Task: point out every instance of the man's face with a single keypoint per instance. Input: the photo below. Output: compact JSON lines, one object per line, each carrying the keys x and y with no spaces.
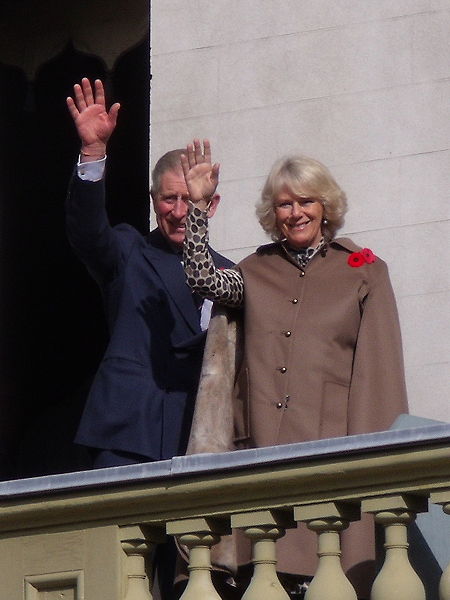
{"x":171,"y":207}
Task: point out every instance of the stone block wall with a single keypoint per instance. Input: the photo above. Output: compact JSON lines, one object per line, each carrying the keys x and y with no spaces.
{"x":362,"y":86}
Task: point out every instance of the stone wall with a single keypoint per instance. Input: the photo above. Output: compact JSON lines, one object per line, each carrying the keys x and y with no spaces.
{"x":363,"y":86}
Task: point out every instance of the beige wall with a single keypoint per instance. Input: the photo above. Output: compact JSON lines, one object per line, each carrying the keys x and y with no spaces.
{"x":363,"y":86}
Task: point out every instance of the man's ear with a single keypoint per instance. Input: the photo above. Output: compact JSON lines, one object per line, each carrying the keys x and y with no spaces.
{"x":153,"y":199}
{"x":213,"y":206}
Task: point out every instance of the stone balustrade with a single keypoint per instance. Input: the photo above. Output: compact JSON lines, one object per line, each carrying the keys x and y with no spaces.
{"x":91,"y":535}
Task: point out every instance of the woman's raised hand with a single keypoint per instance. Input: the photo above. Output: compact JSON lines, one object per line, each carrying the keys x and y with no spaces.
{"x":93,"y":122}
{"x":200,"y":174}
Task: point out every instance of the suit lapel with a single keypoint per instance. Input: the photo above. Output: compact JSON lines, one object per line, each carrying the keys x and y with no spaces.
{"x":170,"y":271}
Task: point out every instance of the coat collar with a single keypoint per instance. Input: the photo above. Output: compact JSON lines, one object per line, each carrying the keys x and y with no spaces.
{"x":345,"y":243}
{"x":167,"y":264}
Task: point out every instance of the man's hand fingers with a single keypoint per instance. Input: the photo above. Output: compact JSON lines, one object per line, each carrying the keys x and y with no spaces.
{"x":99,"y":92}
{"x":113,"y":112}
{"x":87,"y":91}
{"x":79,"y":97}
{"x":73,"y":110}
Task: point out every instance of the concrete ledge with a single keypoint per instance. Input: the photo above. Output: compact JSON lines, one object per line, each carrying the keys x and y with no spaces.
{"x":185,"y":466}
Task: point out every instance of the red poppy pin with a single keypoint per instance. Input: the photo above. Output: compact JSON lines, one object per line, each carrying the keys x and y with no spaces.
{"x":369,"y":256}
{"x":358,"y":259}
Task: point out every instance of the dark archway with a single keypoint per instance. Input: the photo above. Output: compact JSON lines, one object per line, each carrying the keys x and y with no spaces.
{"x":52,"y":326}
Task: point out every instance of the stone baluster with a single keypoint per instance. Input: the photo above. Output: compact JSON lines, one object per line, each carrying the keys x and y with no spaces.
{"x":443,"y":498}
{"x":396,"y":579}
{"x":264,"y":528}
{"x":198,"y":535}
{"x":327,"y":519}
{"x":138,"y":543}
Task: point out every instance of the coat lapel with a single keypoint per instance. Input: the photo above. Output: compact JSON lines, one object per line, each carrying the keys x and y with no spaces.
{"x":168,"y":266}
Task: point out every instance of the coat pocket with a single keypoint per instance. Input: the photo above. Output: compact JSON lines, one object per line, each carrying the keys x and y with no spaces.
{"x":241,"y":409}
{"x":334,"y":406}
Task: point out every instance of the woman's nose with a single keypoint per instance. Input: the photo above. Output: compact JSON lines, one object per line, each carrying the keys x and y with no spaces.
{"x":296,"y":209}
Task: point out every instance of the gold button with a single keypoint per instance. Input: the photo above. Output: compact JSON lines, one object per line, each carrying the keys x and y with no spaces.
{"x":279,"y":405}
{"x":294,"y":300}
{"x":288,"y":333}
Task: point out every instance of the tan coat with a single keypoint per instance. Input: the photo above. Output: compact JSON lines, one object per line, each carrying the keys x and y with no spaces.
{"x":323,"y":358}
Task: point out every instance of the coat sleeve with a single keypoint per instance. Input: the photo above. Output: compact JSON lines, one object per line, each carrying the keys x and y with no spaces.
{"x":377,"y":390}
{"x":89,"y":233}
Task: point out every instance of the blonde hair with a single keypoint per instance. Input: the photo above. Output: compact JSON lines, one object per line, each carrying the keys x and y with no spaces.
{"x":303,"y":176}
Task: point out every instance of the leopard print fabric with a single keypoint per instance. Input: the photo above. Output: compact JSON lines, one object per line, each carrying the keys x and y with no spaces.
{"x":225,"y":286}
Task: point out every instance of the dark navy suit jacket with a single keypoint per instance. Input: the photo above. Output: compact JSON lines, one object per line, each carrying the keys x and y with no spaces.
{"x":143,"y":394}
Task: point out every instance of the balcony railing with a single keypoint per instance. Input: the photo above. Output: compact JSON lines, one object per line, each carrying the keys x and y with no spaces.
{"x":89,"y":535}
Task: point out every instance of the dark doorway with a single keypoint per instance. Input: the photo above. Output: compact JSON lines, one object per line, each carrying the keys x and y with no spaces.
{"x":52,"y":326}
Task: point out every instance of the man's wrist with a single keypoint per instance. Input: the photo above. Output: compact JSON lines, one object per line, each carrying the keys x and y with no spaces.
{"x":92,"y":152}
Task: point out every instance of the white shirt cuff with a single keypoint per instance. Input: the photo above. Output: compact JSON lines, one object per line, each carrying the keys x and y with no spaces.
{"x":91,"y":171}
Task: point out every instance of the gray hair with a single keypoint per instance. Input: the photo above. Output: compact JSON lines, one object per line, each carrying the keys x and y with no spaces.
{"x":170,"y":161}
{"x":302,"y":175}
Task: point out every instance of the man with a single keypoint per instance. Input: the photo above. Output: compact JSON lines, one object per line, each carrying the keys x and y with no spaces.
{"x":141,"y":402}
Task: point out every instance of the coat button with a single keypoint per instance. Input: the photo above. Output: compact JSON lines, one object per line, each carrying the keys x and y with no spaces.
{"x":283,"y":369}
{"x":294,"y":300}
{"x":287,"y":333}
{"x":302,"y":274}
{"x":279,"y":405}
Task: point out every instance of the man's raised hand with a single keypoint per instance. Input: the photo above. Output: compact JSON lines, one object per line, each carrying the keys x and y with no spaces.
{"x":93,"y":122}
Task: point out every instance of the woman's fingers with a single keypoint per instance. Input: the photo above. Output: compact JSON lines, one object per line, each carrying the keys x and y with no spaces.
{"x":197,"y":154}
{"x":198,"y":151}
{"x":207,"y":151}
{"x":185,"y":164}
{"x":190,"y":155}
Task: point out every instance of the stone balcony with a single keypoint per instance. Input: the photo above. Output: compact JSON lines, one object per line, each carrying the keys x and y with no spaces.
{"x":89,"y":535}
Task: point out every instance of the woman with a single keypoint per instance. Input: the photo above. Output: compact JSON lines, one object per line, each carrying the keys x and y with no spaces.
{"x":322,"y":338}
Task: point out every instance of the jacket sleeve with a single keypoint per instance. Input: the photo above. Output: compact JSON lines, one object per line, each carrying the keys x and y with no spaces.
{"x":377,"y":390}
{"x":223,"y":286}
{"x":89,"y":233}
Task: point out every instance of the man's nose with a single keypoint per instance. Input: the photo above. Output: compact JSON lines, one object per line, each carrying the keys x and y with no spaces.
{"x":179,"y":208}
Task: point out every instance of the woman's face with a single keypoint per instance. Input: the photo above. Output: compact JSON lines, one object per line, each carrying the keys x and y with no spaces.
{"x":299,"y":219}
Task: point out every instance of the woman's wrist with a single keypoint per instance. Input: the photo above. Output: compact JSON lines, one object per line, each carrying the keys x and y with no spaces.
{"x":203,"y":204}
